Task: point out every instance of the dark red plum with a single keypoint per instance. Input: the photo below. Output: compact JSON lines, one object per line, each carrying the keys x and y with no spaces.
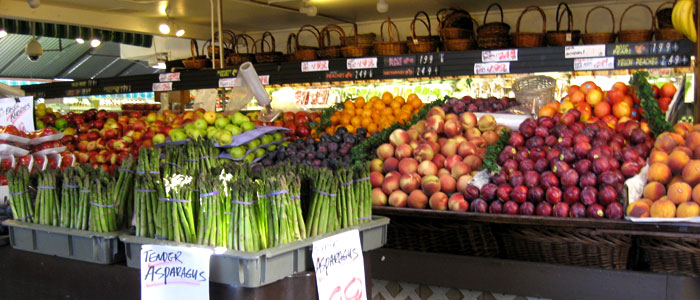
{"x":496,"y":207}
{"x":589,"y":195}
{"x":527,"y":128}
{"x":516,"y":178}
{"x":550,"y":140}
{"x":608,"y":178}
{"x":597,"y":143}
{"x":565,"y":142}
{"x":535,"y":194}
{"x":511,"y":208}
{"x":532,"y":178}
{"x":561,"y":210}
{"x":519,"y":194}
{"x":548,"y":180}
{"x":577,"y":210}
{"x":522,"y":154}
{"x":544,"y":209}
{"x":581,"y":149}
{"x":541,"y":165}
{"x":581,"y":138}
{"x":479,"y":205}
{"x":630,"y":168}
{"x":488,"y":191}
{"x":553,"y":195}
{"x":534,"y":142}
{"x":588,"y":179}
{"x":569,"y":178}
{"x":614,"y":163}
{"x":472,"y":192}
{"x":553,"y":154}
{"x":572,"y":194}
{"x":527,"y":209}
{"x":567,"y":155}
{"x":606,"y":195}
{"x":629,"y":154}
{"x":595,"y":153}
{"x":560,"y":167}
{"x":600,"y":165}
{"x":500,"y":177}
{"x":516,"y":139}
{"x":583,"y":166}
{"x":638,"y":136}
{"x":537,"y":153}
{"x":510,"y":166}
{"x":546,"y":122}
{"x":541,"y":131}
{"x":503,"y":192}
{"x":614,"y":211}
{"x":526,"y":165}
{"x":595,"y":211}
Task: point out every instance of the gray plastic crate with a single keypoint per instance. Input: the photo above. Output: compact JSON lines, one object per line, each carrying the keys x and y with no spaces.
{"x":94,"y":247}
{"x":255,"y":269}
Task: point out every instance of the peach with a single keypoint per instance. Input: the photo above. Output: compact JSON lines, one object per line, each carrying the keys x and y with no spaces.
{"x":378,"y":197}
{"x":448,"y":184}
{"x":490,"y":137}
{"x":420,"y":126}
{"x":473,"y":161}
{"x":683,"y":128}
{"x":459,"y":169}
{"x":391,"y":164}
{"x":438,"y":201}
{"x":414,"y":144}
{"x":409,"y":182}
{"x":417,"y":199}
{"x":430,"y":184}
{"x":424,"y":152}
{"x":376,"y":165}
{"x":696,"y":153}
{"x":452,"y":128}
{"x":463,"y":183}
{"x":426,"y":168}
{"x":479,"y":142}
{"x":390,"y":184}
{"x":436,"y":111}
{"x":691,"y":172}
{"x":459,"y":139}
{"x":456,"y":202}
{"x":685,"y":149}
{"x":451,"y":116}
{"x":468,"y":119}
{"x":430,"y":135}
{"x":451,"y":160}
{"x":433,"y":145}
{"x":696,"y":127}
{"x":466,"y":148}
{"x":398,"y":199}
{"x":654,"y":190}
{"x":472,"y":132}
{"x":486,"y":122}
{"x":376,"y":178}
{"x":677,"y":160}
{"x":441,"y":141}
{"x":408,"y":165}
{"x":638,"y":209}
{"x":658,"y":156}
{"x":665,"y":142}
{"x":695,"y":194}
{"x":439,"y":160}
{"x":385,"y":151}
{"x":663,"y":209}
{"x":692,"y":140}
{"x":501,"y":128}
{"x":436,"y":123}
{"x":688,"y":210}
{"x":392,"y":173}
{"x":449,"y":148}
{"x":660,"y":172}
{"x":413,"y":133}
{"x":680,"y":141}
{"x":675,"y":178}
{"x":647,"y":201}
{"x":403,"y":151}
{"x":679,"y":192}
{"x":399,"y":137}
{"x":443,"y":171}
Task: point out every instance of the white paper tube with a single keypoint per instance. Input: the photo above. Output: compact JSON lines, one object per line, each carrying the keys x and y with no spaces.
{"x":248,"y":73}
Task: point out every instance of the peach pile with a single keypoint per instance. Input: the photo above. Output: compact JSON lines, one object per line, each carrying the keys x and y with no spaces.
{"x":672,"y":190}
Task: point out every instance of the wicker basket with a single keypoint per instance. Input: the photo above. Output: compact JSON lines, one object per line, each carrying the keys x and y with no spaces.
{"x":455,"y":24}
{"x":425,"y":43}
{"x":679,"y":255}
{"x":355,"y":46}
{"x":530,"y":39}
{"x":533,"y":92}
{"x":641,"y":35}
{"x":599,"y":37}
{"x":578,"y":247}
{"x":291,"y":40}
{"x":326,"y":50}
{"x":271,"y":56}
{"x":365,"y":39}
{"x":663,"y":16}
{"x":493,"y":35}
{"x":236,"y":58}
{"x":228,"y":38}
{"x":669,"y":34}
{"x":196,"y":62}
{"x":306,"y":52}
{"x":390,"y":47}
{"x":560,"y":37}
{"x":441,"y":236}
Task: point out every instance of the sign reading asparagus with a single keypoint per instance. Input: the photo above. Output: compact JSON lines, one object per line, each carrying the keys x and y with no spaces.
{"x":18,"y":112}
{"x":340,"y":269}
{"x":169,"y":272}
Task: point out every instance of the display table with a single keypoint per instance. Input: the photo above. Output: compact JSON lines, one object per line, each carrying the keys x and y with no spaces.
{"x":26,"y":275}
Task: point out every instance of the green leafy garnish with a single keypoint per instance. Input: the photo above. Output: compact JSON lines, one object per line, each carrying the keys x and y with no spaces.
{"x":652,"y":112}
{"x":493,"y":150}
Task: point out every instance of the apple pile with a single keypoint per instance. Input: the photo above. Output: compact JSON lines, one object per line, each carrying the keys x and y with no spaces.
{"x":297,"y":123}
{"x":432,"y":163}
{"x":255,"y":148}
{"x":467,"y":103}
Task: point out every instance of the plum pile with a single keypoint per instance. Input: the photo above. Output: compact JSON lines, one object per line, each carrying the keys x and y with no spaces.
{"x":330,"y":151}
{"x":467,"y":103}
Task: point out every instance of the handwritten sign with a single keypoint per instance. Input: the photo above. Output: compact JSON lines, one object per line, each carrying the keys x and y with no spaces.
{"x":499,"y":55}
{"x":340,"y":269}
{"x":314,"y":66}
{"x":162,"y":86}
{"x":174,"y":272}
{"x":599,"y":63}
{"x":399,"y":61}
{"x":361,"y":63}
{"x":584,"y":51}
{"x":231,"y":82}
{"x":167,"y":77}
{"x":491,"y":68}
{"x":18,"y":113}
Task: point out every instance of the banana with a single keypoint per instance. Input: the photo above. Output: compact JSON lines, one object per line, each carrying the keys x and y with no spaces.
{"x":690,"y":23}
{"x":681,"y":8}
{"x":674,"y":17}
{"x":686,"y":20}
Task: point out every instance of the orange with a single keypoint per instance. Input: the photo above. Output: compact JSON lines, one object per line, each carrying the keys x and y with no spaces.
{"x":396,"y":111}
{"x":330,"y":130}
{"x":621,"y":109}
{"x":365,"y":122}
{"x":415,"y":101}
{"x":399,"y":99}
{"x":379,"y":105}
{"x":350,"y":128}
{"x":350,"y":112}
{"x":594,"y":97}
{"x":360,"y":102}
{"x":333,"y":119}
{"x":395,"y":105}
{"x":359,"y":111}
{"x":366,"y":113}
{"x":374,"y":99}
{"x":349,"y":104}
{"x":387,"y":111}
{"x":372,"y":128}
{"x":405,"y":116}
{"x":577,"y":97}
{"x":355,"y":121}
{"x":345,"y":119}
{"x":554,"y":105}
{"x":547,"y":111}
{"x":588,"y":86}
{"x":585,"y":111}
{"x":387,"y":98}
{"x":601,"y":109}
{"x":565,"y":106}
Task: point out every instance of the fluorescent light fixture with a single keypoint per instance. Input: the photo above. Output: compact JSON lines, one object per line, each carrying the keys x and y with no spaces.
{"x":3,"y":33}
{"x":382,"y":6}
{"x":95,"y":43}
{"x":80,"y":40}
{"x":160,"y":65}
{"x":180,"y":32}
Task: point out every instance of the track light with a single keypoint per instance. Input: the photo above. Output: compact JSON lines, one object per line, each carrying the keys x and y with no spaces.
{"x":308,"y":10}
{"x":80,"y":40}
{"x":382,"y":6}
{"x":180,"y":32}
{"x":164,"y":28}
{"x":95,"y":43}
{"x":3,"y":33}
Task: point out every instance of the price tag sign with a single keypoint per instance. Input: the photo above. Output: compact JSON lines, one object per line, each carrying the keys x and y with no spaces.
{"x":314,"y":66}
{"x":491,"y":68}
{"x":584,"y":51}
{"x":232,"y":81}
{"x":499,"y":55}
{"x":162,"y":86}
{"x":361,"y":63}
{"x":340,"y":269}
{"x":599,"y":63}
{"x":167,"y":77}
{"x":19,"y":113}
{"x":169,"y":272}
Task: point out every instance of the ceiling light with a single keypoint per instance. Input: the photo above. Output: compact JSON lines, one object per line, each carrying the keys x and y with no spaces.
{"x":95,"y":43}
{"x":33,"y":3}
{"x":308,"y":10}
{"x":382,"y":6}
{"x":160,"y":65}
{"x":180,"y":32}
{"x":3,"y":33}
{"x":80,"y":40}
{"x":164,"y":28}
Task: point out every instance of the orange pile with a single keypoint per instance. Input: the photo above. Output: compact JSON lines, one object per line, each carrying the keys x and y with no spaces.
{"x":375,"y":114}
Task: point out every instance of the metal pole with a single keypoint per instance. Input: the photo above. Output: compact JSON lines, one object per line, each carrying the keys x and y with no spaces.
{"x":221,"y":37}
{"x":696,"y":72}
{"x":213,"y":62}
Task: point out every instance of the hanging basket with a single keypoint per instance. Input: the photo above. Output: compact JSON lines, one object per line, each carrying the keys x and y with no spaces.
{"x":303,"y":53}
{"x":227,"y":39}
{"x":270,"y":56}
{"x":640,"y":35}
{"x":455,"y":24}
{"x":666,"y":32}
{"x":236,"y":58}
{"x":291,"y":40}
{"x":462,"y":44}
{"x":390,"y":47}
{"x":196,"y":62}
{"x":599,"y":37}
{"x":326,"y":50}
{"x":493,"y":35}
{"x":530,"y":39}
{"x":356,"y":47}
{"x":564,"y":38}
{"x":425,"y":43}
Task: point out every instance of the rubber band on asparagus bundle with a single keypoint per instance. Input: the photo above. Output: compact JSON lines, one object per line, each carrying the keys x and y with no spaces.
{"x":325,"y":193}
{"x":145,"y":191}
{"x":214,"y":193}
{"x":43,"y":187}
{"x":101,"y":205}
{"x":126,"y":170}
{"x":242,"y":203}
{"x":273,"y":194}
{"x":25,"y":217}
{"x":69,"y":186}
{"x":18,"y":193}
{"x":361,"y":179}
{"x":174,"y":200}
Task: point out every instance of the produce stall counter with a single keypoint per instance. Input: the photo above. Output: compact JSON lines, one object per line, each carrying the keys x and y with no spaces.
{"x":27,"y":275}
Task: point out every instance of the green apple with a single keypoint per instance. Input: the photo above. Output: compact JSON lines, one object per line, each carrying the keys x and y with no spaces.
{"x":253,"y":144}
{"x":211,"y":128}
{"x":260,"y":152}
{"x":39,"y":124}
{"x":221,"y":122}
{"x":266,"y":139}
{"x":174,"y":131}
{"x":200,"y":124}
{"x":189,"y":126}
{"x":235,"y":130}
{"x":272,"y":148}
{"x":159,"y":138}
{"x":225,"y":138}
{"x":211,"y":134}
{"x":277,"y":136}
{"x":249,"y":158}
{"x":237,"y":152}
{"x":196,"y":134}
{"x":285,"y":143}
{"x":238,"y":118}
{"x":246,"y":126}
{"x":178,"y":135}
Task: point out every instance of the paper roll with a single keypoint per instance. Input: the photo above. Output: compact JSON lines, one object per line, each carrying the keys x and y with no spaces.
{"x":248,"y":73}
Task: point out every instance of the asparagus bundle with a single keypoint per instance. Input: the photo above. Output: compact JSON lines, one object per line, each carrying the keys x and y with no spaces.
{"x":363,"y":193}
{"x":178,"y":203}
{"x":103,"y":212}
{"x":81,"y":208}
{"x":122,"y":199}
{"x":145,"y":205}
{"x":20,"y":199}
{"x":322,"y":217}
{"x":212,"y":229}
{"x":347,"y":202}
{"x":245,"y":234}
{"x":47,"y":203}
{"x":70,"y":194}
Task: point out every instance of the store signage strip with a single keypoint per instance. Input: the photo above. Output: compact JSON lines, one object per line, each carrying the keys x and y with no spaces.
{"x":499,"y":55}
{"x":314,"y":66}
{"x":168,"y":77}
{"x":491,"y":68}
{"x":598,"y":63}
{"x":361,"y":63}
{"x":584,"y":51}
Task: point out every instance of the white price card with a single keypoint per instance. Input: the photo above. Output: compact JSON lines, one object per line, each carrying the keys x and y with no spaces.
{"x":232,"y":81}
{"x":340,"y":268}
{"x":167,"y":77}
{"x":169,"y":272}
{"x":361,"y":63}
{"x":491,"y":68}
{"x":499,"y":55}
{"x":18,"y":112}
{"x":584,"y":51}
{"x":314,"y":66}
{"x":162,"y":86}
{"x":598,"y":63}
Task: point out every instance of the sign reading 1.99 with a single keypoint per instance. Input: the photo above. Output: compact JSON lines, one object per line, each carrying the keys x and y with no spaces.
{"x":174,"y":272}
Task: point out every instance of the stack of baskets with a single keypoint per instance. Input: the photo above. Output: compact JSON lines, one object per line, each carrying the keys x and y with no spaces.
{"x":638,"y":35}
{"x":666,"y":31}
{"x":270,"y":56}
{"x":301,"y":52}
{"x":493,"y":35}
{"x":358,"y":45}
{"x":599,"y":37}
{"x":236,"y":58}
{"x":422,"y":44}
{"x":197,"y":61}
{"x":394,"y":46}
{"x":561,"y":37}
{"x":326,"y":50}
{"x":530,"y":39}
{"x":456,"y":29}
